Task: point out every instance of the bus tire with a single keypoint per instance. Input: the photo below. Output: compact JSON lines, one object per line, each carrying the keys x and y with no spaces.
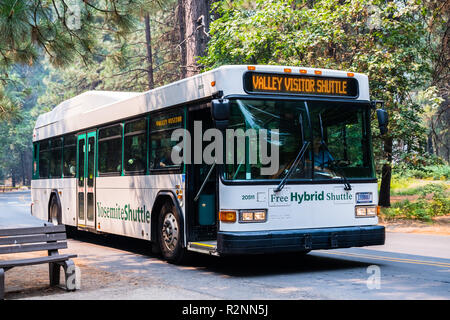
{"x":54,"y":210}
{"x":170,"y":235}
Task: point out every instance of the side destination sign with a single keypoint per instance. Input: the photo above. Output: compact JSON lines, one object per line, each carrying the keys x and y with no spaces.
{"x":255,"y":82}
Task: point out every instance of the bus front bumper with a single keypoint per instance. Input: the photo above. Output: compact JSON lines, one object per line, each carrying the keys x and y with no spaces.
{"x":298,"y":240}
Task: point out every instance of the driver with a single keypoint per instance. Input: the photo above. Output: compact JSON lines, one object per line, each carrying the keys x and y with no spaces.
{"x":322,"y":158}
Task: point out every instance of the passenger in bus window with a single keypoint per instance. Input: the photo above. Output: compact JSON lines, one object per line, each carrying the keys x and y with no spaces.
{"x":165,"y":159}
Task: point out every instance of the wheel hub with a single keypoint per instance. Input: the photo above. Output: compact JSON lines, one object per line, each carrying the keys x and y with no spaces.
{"x":54,"y":214}
{"x":170,"y":231}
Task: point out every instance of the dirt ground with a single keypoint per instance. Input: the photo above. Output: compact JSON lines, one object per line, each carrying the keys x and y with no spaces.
{"x":33,"y":281}
{"x":440,"y":226}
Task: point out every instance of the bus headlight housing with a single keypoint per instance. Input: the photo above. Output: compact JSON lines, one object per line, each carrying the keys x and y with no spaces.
{"x":365,"y":211}
{"x":258,"y":215}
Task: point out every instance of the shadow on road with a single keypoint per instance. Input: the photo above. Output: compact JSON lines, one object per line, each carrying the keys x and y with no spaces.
{"x":235,"y":266}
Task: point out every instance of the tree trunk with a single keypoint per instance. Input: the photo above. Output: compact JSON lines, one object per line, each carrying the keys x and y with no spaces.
{"x":148,"y":40}
{"x":430,"y":143}
{"x":386,"y":173}
{"x":23,"y":173}
{"x":13,"y":178}
{"x":182,"y":33}
{"x":196,"y":18}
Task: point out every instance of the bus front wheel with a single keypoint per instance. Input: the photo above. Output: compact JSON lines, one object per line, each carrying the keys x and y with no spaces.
{"x":170,"y":234}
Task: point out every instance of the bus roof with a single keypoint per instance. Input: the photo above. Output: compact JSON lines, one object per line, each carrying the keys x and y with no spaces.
{"x":94,"y":108}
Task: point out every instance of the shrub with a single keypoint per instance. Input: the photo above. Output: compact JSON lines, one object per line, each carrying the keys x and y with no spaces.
{"x":422,"y":209}
{"x":435,"y":172}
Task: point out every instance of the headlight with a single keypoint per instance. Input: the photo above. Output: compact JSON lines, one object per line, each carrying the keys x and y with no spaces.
{"x":371,"y":211}
{"x":259,"y":215}
{"x":247,"y":216}
{"x":365,"y":211}
{"x":361,"y":211}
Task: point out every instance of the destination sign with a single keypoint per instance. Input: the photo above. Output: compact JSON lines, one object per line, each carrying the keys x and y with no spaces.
{"x":168,"y":121}
{"x":300,"y":84}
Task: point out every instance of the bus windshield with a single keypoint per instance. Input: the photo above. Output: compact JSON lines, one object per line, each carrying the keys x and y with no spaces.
{"x":338,"y":134}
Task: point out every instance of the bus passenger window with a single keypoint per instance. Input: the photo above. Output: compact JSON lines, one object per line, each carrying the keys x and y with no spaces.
{"x":44,"y":159}
{"x":35,"y":159}
{"x":161,"y":145}
{"x":110,"y":150}
{"x":69,"y":156}
{"x":55,"y":158}
{"x":135,"y":146}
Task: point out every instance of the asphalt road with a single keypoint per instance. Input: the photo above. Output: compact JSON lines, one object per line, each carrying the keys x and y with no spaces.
{"x":409,"y":266}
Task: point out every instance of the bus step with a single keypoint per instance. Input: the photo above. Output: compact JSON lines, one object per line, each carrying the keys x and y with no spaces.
{"x":88,"y":228}
{"x":208,"y":247}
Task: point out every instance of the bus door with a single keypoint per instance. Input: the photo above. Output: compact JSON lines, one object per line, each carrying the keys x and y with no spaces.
{"x":86,"y":156}
{"x":202,"y":186}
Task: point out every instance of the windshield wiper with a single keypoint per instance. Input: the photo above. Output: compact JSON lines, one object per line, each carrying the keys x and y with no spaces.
{"x":347,"y":186}
{"x":300,"y":155}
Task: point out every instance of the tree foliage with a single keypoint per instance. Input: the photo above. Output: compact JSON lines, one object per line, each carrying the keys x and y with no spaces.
{"x":63,"y":30}
{"x":385,"y":40}
{"x":52,"y":50}
{"x":47,"y":56}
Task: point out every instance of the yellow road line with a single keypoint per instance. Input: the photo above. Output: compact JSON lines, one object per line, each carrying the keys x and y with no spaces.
{"x":429,"y":263}
{"x":203,"y":244}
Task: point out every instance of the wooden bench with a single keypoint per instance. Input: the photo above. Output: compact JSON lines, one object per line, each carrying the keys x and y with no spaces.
{"x":50,"y":238}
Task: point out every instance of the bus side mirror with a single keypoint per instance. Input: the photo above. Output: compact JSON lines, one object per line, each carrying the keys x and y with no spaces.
{"x":383,"y":120}
{"x":220,"y":111}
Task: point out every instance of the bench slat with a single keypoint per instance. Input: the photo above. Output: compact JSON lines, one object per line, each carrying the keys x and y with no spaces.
{"x":32,"y":230}
{"x":33,"y":247}
{"x":33,"y":238}
{"x":31,"y":261}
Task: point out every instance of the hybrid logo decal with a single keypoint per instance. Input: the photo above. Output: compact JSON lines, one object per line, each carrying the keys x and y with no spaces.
{"x":127,"y":213}
{"x":277,"y":199}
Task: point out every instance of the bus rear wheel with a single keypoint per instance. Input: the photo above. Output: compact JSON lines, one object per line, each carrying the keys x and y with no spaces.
{"x":54,"y":215}
{"x":170,"y":234}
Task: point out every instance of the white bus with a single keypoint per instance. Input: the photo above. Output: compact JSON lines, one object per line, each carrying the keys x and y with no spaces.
{"x":101,"y":163}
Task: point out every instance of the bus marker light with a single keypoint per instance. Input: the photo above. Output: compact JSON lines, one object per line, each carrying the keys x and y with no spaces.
{"x":378,"y":210}
{"x":303,"y":71}
{"x":251,"y":68}
{"x":227,"y":216}
{"x":318,"y":72}
{"x":213,"y":83}
{"x":350,"y":74}
{"x":288,"y":70}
